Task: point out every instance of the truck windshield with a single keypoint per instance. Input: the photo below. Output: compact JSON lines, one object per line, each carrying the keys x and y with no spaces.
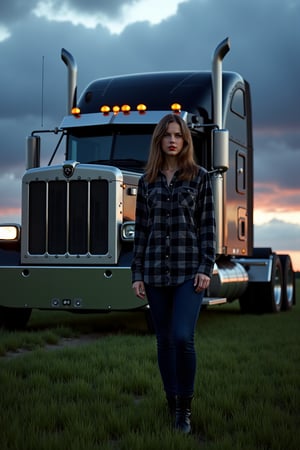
{"x":123,"y":149}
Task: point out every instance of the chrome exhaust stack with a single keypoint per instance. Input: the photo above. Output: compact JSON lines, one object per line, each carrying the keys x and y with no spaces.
{"x":72,"y":79}
{"x":219,"y":54}
{"x":220,"y":145}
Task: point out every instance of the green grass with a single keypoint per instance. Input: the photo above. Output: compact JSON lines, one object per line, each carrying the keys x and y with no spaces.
{"x":107,"y":394}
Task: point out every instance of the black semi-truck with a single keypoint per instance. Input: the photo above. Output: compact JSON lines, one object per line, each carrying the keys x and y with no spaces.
{"x":73,"y":248}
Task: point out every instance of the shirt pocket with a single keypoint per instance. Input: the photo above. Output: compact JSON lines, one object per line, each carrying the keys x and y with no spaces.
{"x":187,"y":198}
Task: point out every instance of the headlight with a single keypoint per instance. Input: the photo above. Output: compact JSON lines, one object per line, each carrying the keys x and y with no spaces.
{"x":9,"y":233}
{"x":127,"y":231}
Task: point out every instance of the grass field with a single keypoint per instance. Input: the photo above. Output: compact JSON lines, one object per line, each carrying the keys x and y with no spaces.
{"x":106,"y":392}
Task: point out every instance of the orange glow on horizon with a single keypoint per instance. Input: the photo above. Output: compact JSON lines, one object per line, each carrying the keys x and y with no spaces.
{"x":10,"y":215}
{"x":273,"y":198}
{"x":295,"y":255}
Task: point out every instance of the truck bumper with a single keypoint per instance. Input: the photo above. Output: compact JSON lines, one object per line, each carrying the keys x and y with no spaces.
{"x":68,"y":288}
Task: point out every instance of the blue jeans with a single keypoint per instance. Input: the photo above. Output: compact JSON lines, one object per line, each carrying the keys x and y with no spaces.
{"x":175,"y":311}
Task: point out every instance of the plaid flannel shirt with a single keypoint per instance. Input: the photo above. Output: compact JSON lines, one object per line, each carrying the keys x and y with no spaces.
{"x":174,"y":230}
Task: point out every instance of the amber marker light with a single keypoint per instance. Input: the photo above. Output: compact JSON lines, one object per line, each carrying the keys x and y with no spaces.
{"x":176,"y":107}
{"x":105,"y":110}
{"x":75,"y":111}
{"x":141,"y":108}
{"x":116,"y":109}
{"x":125,"y":109}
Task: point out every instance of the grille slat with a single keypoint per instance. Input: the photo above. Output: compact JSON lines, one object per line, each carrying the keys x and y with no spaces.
{"x":78,"y":218}
{"x":99,"y":214}
{"x":37,"y":218}
{"x":57,"y":217}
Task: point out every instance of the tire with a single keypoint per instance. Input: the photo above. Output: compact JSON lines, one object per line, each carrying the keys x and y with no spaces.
{"x":288,"y":285}
{"x":271,"y":292}
{"x":14,"y":318}
{"x":265,"y":297}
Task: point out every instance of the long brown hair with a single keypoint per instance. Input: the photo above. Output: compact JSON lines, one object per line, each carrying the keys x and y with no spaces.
{"x":186,"y":163}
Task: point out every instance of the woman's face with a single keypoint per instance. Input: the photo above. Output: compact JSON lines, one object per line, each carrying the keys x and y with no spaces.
{"x":172,"y":141}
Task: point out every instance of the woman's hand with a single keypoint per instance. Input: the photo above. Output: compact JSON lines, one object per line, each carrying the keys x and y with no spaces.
{"x":201,"y":282}
{"x":139,"y":289}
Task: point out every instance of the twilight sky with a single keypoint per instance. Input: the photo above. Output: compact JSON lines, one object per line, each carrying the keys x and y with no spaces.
{"x":126,"y":36}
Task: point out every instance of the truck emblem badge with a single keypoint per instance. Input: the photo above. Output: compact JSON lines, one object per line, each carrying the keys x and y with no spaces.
{"x":68,"y":170}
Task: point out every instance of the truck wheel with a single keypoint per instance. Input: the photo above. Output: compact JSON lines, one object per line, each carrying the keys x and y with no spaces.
{"x":264,"y":297}
{"x":288,"y":284}
{"x":14,"y":318}
{"x":272,"y":292}
{"x":250,"y":301}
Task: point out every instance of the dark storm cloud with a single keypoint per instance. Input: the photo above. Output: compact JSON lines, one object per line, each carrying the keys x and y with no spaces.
{"x":111,"y":8}
{"x":264,"y":45}
{"x":14,"y":10}
{"x":277,"y":159}
{"x":265,"y":38}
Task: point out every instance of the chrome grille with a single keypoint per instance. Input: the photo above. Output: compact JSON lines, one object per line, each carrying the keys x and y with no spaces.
{"x":68,"y":217}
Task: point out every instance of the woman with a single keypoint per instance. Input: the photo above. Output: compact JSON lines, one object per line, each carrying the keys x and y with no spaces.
{"x":174,"y":252}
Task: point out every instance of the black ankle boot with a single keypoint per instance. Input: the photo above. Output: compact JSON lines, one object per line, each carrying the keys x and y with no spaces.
{"x":171,"y":400}
{"x":183,"y":414}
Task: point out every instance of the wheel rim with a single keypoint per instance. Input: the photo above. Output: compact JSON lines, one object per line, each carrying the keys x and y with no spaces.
{"x":278,"y":287}
{"x":289,"y":285}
